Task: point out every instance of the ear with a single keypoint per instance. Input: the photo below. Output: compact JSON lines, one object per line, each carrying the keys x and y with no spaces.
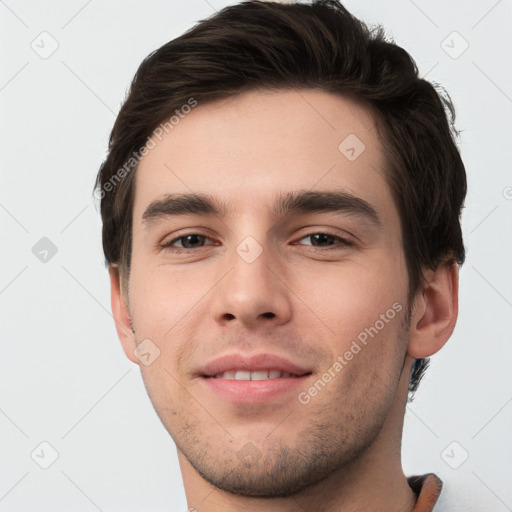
{"x":121,"y":315}
{"x":435,"y":311}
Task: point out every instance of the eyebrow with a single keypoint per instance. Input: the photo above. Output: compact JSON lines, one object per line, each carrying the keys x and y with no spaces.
{"x":286,"y":204}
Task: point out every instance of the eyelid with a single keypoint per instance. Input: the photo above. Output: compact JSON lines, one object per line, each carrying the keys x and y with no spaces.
{"x":342,"y":235}
{"x":339,"y":244}
{"x":172,"y":237}
{"x":169,"y":244}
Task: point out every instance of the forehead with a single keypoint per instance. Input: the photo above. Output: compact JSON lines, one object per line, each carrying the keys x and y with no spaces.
{"x":245,"y":149}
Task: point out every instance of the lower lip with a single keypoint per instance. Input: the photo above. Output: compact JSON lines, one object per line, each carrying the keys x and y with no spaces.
{"x":253,"y":391}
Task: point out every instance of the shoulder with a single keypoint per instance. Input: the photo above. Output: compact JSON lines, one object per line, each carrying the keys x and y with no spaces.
{"x":427,"y":489}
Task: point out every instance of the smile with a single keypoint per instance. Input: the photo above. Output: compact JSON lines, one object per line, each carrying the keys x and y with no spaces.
{"x":257,"y":375}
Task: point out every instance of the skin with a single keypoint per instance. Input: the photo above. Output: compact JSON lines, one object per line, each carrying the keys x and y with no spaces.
{"x":341,"y":451}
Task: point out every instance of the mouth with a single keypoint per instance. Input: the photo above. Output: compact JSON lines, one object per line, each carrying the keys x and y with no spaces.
{"x":261,"y":366}
{"x":254,"y":379}
{"x":255,"y":375}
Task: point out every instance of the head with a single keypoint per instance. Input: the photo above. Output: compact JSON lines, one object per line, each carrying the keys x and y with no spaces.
{"x":256,"y":115}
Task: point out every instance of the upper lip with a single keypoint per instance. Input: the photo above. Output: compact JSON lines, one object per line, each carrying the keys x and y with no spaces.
{"x":251,"y":363}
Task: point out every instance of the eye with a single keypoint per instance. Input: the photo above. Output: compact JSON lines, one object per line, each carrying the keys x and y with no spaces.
{"x":187,"y":242}
{"x":191,"y":241}
{"x":326,"y":240}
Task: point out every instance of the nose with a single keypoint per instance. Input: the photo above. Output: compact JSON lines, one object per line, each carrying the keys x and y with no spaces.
{"x":254,"y":292}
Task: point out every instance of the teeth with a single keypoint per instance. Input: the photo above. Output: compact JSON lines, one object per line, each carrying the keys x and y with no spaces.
{"x":261,"y":375}
{"x":257,"y":375}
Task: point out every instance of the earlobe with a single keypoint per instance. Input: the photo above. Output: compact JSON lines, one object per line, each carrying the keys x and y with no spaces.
{"x":121,"y":315}
{"x":435,"y":311}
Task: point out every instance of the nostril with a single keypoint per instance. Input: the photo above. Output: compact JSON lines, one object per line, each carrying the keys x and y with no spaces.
{"x":268,"y":315}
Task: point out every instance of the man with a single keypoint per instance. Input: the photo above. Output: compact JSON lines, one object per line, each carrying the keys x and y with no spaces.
{"x":281,"y":219}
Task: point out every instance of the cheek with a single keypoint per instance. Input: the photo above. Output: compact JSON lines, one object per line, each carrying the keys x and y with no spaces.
{"x":346,"y":299}
{"x":161,"y":297}
{"x":166,"y":304}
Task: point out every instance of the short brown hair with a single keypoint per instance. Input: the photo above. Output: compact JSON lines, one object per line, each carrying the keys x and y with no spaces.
{"x":268,"y":45}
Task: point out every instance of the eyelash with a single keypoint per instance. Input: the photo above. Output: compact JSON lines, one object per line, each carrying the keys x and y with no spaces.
{"x":177,"y":250}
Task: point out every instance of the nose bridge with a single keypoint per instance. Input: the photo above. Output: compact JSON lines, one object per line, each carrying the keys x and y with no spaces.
{"x":252,"y":263}
{"x":251,"y":291}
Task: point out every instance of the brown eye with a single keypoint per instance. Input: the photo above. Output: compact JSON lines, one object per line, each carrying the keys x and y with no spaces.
{"x":186,"y":242}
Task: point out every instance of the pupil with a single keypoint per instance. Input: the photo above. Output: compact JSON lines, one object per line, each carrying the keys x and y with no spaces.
{"x":323,"y":238}
{"x":185,"y":241}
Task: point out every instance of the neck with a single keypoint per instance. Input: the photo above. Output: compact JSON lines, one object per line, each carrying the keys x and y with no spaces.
{"x":374,"y":482}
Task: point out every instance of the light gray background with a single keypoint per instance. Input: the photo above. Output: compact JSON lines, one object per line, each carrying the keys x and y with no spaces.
{"x":65,"y":379}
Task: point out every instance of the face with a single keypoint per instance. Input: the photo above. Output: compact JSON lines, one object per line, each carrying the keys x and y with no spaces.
{"x":286,"y":267}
